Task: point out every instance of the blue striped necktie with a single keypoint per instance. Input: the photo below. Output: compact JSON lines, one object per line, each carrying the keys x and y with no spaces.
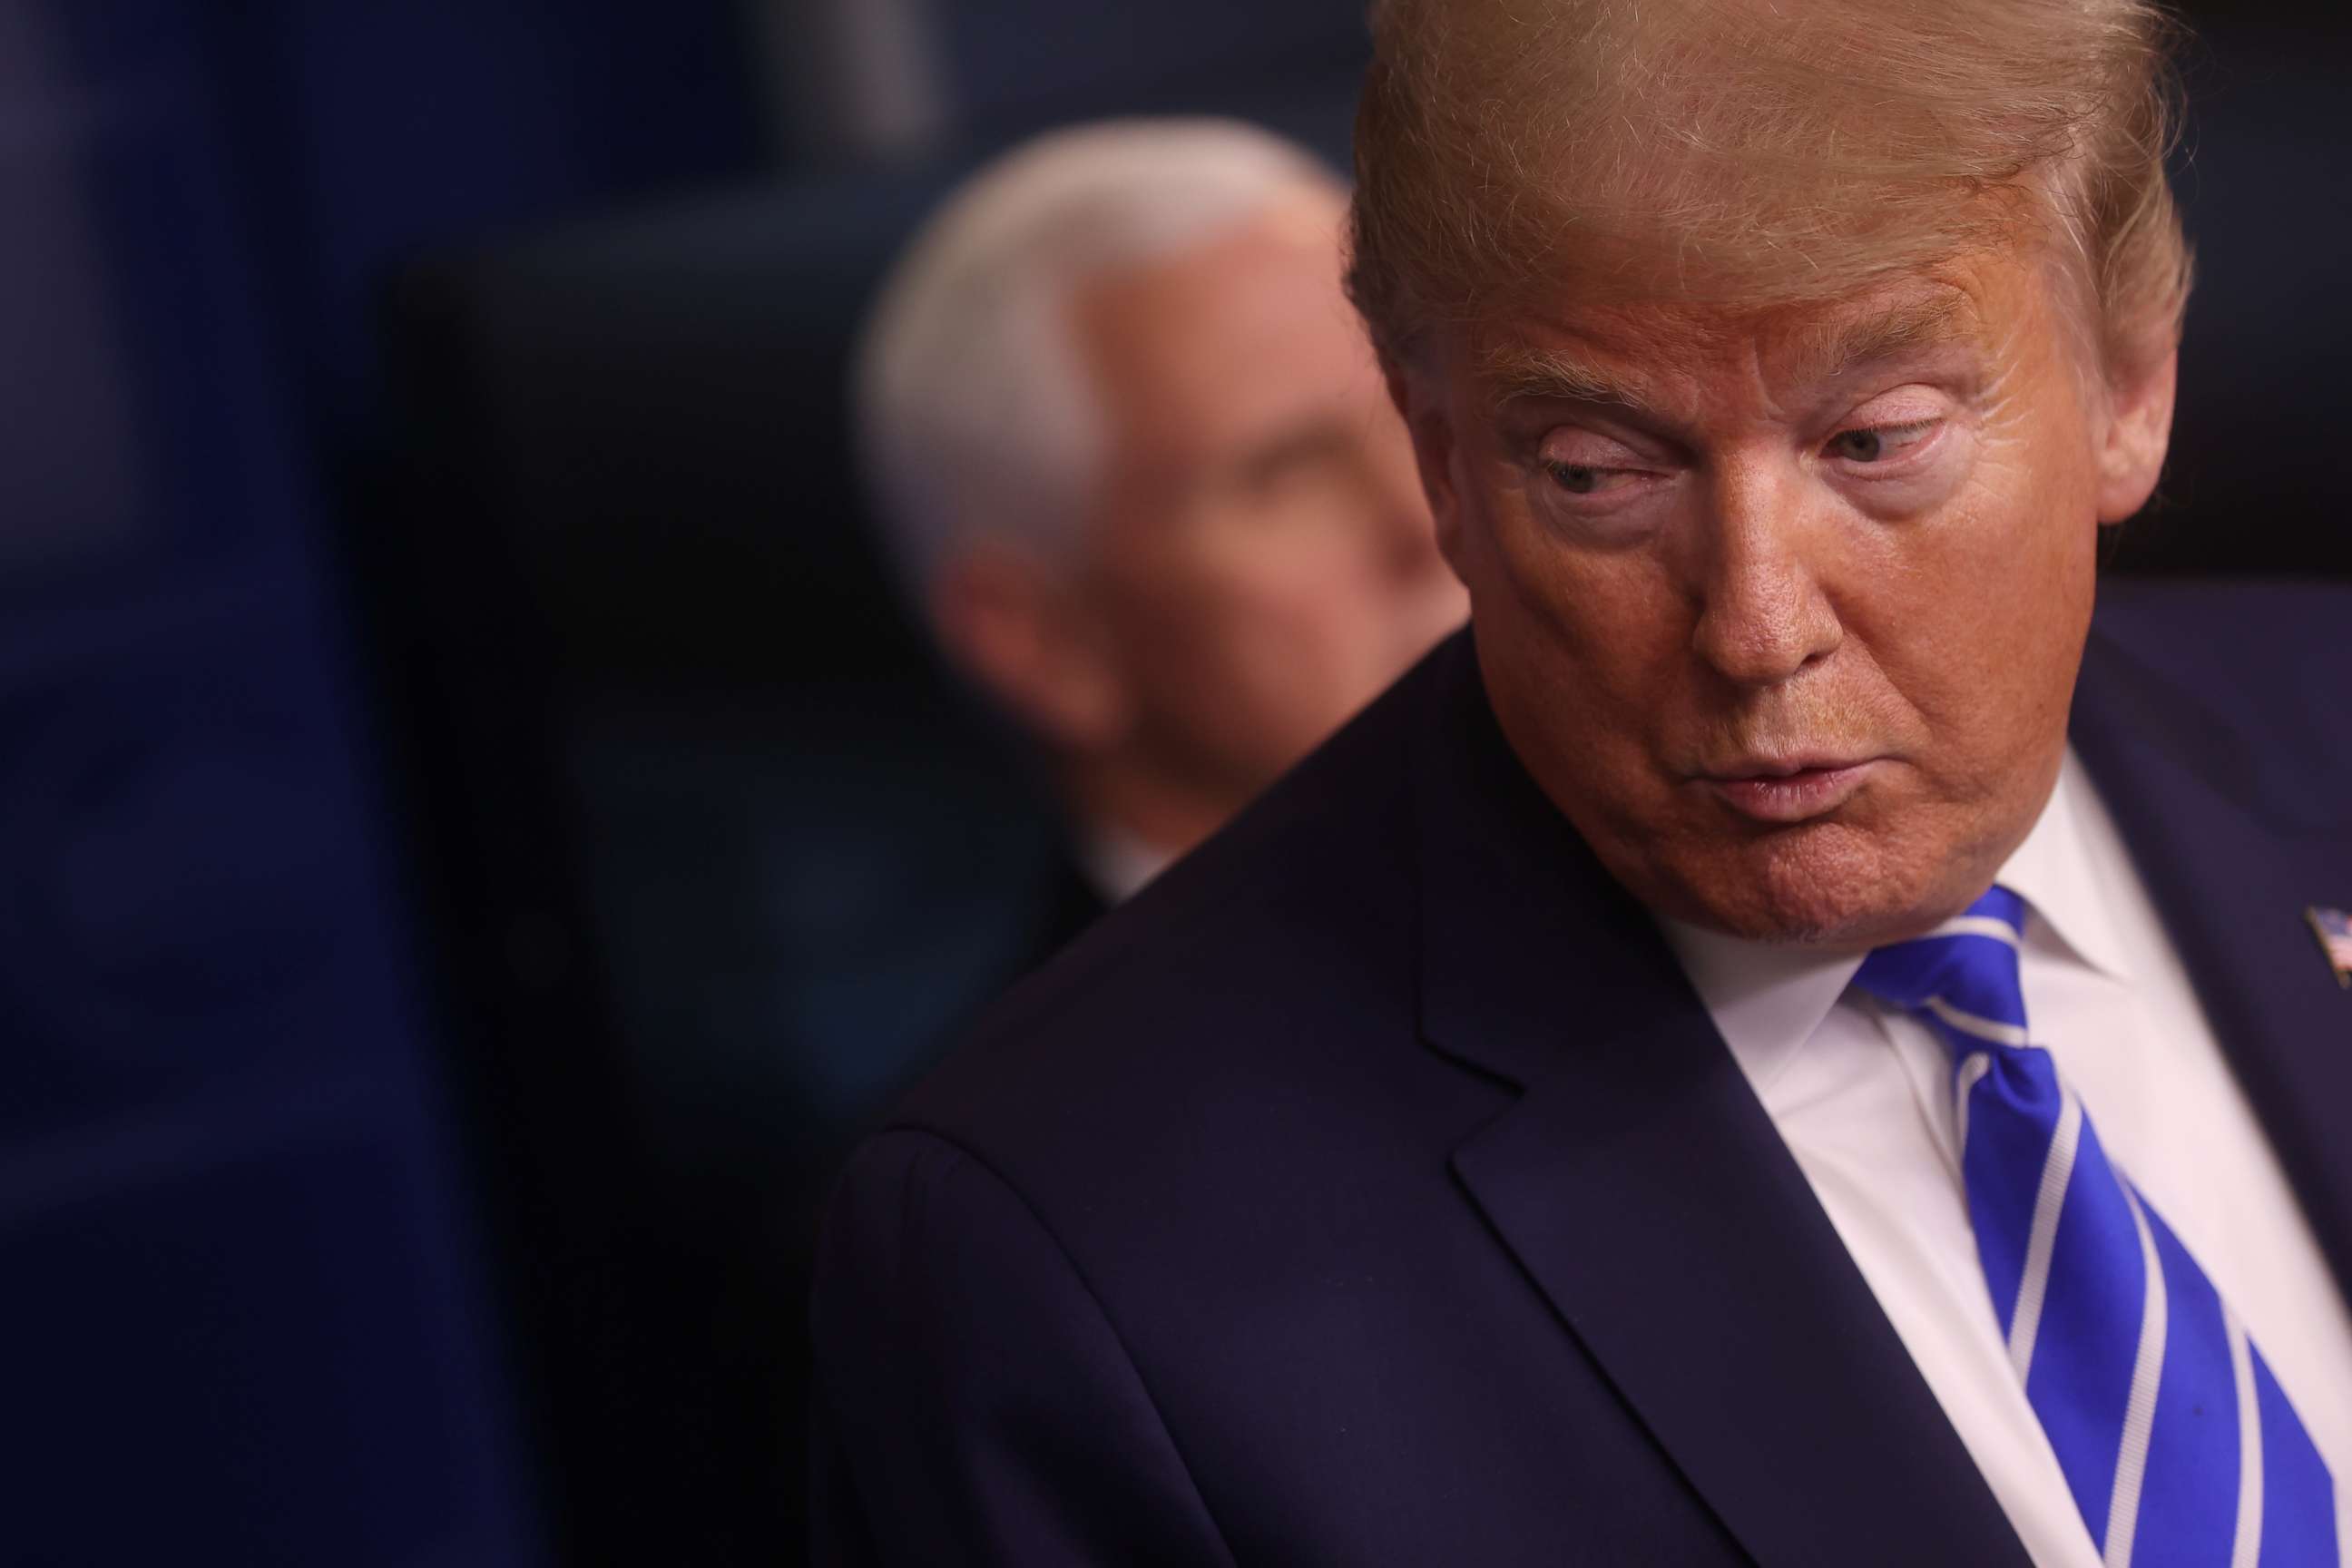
{"x":2175,"y":1440}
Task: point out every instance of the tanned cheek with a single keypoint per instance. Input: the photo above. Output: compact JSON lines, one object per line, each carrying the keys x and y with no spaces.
{"x":2050,"y":608}
{"x":1992,"y":683}
{"x":1514,"y":587}
{"x":1960,"y":594}
{"x":1575,"y":598}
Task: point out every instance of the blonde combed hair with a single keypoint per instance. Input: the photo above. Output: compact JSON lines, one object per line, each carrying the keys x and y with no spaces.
{"x":1760,"y":150}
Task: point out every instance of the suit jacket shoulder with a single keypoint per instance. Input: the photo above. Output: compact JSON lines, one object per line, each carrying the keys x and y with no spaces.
{"x":1216,"y":1178}
{"x":1258,"y":947}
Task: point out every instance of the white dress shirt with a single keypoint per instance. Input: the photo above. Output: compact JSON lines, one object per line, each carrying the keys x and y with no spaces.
{"x":1862,"y":1096}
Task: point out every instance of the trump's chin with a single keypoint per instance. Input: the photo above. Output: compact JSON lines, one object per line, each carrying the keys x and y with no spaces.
{"x":1833,"y":885}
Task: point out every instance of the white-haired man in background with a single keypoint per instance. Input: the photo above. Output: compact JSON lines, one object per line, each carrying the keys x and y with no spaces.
{"x":1135,"y":460}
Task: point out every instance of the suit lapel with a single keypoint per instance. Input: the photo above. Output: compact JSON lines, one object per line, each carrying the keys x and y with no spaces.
{"x":2232,"y":856}
{"x":1646,"y":1192}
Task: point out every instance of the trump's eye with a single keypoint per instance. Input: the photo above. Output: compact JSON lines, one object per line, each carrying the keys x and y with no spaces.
{"x":1589,"y":466}
{"x":1880,"y":442}
{"x":1586,"y":479}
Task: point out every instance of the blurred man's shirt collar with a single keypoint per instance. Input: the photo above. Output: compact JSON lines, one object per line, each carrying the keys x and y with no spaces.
{"x":1115,"y":863}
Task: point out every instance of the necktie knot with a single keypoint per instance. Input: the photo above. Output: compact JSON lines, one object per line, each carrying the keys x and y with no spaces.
{"x":1961,"y":977}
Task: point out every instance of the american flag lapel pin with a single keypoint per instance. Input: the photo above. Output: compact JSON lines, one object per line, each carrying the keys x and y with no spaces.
{"x":2334,"y":929}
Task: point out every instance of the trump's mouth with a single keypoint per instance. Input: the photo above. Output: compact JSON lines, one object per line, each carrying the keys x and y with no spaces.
{"x":1790,"y":791}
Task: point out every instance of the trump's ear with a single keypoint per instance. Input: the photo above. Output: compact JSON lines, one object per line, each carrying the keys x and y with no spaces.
{"x":2138,"y":432}
{"x":1419,"y":394}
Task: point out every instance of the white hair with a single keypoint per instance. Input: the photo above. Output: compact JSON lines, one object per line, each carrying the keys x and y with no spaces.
{"x":975,"y":418}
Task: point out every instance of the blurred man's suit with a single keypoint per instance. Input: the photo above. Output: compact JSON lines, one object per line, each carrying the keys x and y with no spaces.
{"x":1376,"y":1190}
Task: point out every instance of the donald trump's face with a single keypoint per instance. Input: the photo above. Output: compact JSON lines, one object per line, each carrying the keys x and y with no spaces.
{"x":1783,"y":608}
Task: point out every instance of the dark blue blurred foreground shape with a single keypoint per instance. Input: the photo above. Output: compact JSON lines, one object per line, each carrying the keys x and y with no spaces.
{"x":248,"y":1315}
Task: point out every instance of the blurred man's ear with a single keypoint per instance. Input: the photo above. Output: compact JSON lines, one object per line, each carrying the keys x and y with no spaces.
{"x":1419,"y":394}
{"x":2138,"y":432}
{"x":1026,"y":635}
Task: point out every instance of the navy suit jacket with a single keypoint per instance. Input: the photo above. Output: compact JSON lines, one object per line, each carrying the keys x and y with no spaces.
{"x":1375,"y":1190}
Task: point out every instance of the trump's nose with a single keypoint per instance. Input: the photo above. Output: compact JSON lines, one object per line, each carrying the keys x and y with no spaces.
{"x":1763,"y":615}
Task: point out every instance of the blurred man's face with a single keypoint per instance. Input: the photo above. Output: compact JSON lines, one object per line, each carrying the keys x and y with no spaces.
{"x":1784,"y":611}
{"x":1260,"y":559}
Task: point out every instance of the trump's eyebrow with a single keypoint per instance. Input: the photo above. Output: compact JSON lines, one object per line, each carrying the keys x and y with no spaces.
{"x":1837,"y":348}
{"x":1523,"y":373}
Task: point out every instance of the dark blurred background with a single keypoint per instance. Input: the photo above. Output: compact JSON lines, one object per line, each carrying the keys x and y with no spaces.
{"x":476,"y":827}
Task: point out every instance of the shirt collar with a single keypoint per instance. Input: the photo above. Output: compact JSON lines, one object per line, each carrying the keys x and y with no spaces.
{"x":2055,"y":872}
{"x":1767,"y":998}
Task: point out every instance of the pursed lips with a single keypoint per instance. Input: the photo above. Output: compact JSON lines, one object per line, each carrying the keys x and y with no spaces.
{"x":1790,"y":786}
